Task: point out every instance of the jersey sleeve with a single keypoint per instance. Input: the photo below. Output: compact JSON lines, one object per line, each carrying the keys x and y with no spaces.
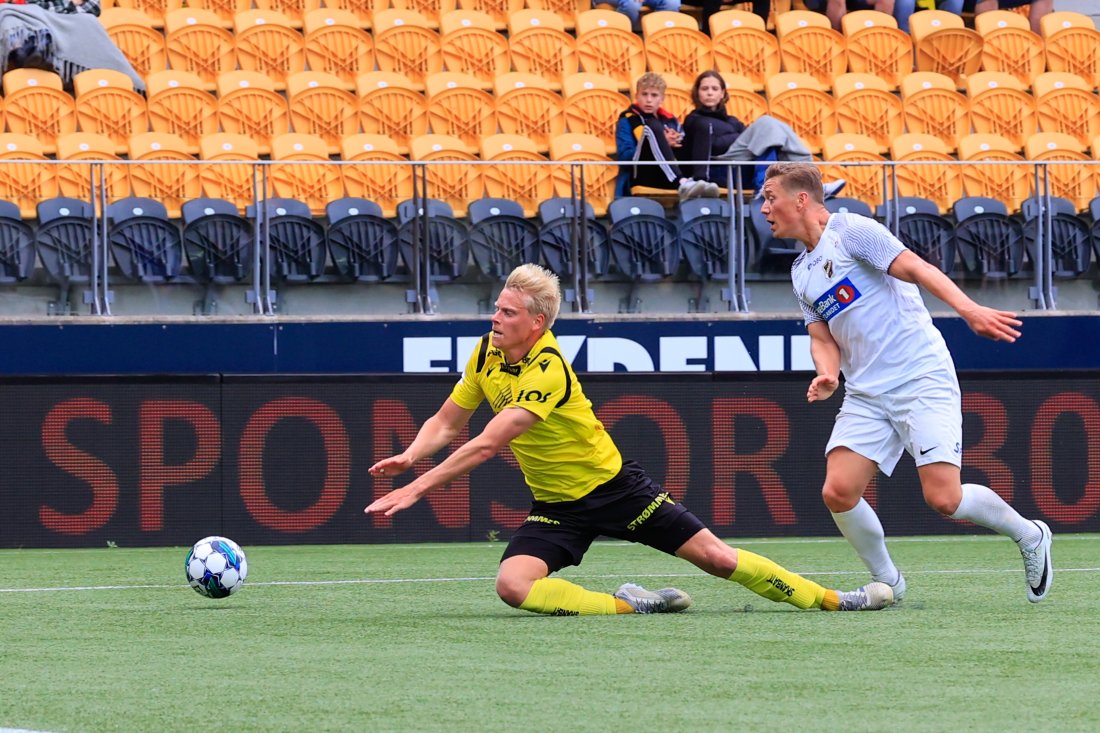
{"x":544,"y":385}
{"x":467,"y":392}
{"x":868,"y":241}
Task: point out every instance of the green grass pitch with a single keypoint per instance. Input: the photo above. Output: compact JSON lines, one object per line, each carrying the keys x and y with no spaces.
{"x":412,"y":638}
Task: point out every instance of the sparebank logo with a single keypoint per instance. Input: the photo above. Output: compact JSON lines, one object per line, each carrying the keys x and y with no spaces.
{"x":764,"y":353}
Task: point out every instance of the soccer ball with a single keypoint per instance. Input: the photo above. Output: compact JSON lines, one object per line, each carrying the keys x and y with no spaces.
{"x":216,"y":567}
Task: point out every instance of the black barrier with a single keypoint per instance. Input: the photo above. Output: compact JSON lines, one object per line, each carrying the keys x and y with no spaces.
{"x":147,"y":462}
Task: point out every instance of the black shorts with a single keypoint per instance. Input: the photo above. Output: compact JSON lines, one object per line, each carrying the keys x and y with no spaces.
{"x":628,"y":507}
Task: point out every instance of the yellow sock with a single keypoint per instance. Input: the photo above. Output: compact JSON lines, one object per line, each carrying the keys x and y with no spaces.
{"x":559,"y":597}
{"x":776,"y":583}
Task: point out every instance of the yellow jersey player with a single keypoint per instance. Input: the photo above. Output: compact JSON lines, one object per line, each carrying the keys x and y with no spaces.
{"x":581,"y":485}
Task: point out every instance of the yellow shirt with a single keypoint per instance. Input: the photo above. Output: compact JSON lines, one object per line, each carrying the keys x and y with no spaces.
{"x":567,"y":453}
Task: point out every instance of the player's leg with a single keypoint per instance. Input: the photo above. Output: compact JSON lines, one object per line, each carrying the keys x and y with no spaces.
{"x":772,"y":581}
{"x":931,"y":424}
{"x":863,"y":441}
{"x":523,"y":582}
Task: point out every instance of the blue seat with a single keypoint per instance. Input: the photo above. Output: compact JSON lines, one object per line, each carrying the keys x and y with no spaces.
{"x":218,"y":242}
{"x":296,"y":241}
{"x":1094,"y":230}
{"x":559,"y":228}
{"x":644,"y":246}
{"x":705,"y":236}
{"x":362,"y":244}
{"x":64,"y":241}
{"x":990,"y":242}
{"x":16,"y":245}
{"x":1070,"y":238}
{"x":773,"y":256}
{"x":922,"y":229}
{"x":838,"y":205}
{"x":146,"y":246}
{"x":501,"y":238}
{"x":429,"y":226}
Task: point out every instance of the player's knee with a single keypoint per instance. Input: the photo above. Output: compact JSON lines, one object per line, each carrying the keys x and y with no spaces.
{"x":838,"y":499}
{"x":719,"y":559}
{"x":512,"y":590}
{"x":944,"y":503}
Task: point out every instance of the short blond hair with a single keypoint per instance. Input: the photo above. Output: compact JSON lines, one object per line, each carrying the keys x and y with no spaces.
{"x":796,"y":177}
{"x":541,"y":289}
{"x":651,"y":80}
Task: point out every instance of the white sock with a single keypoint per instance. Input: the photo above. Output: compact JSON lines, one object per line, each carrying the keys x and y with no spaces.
{"x":984,"y":506}
{"x":863,"y":530}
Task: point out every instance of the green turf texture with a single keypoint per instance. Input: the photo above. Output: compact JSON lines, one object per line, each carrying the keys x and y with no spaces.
{"x":425,"y":645}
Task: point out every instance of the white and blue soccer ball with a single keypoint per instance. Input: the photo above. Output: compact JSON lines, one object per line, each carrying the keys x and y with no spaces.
{"x":216,"y":567}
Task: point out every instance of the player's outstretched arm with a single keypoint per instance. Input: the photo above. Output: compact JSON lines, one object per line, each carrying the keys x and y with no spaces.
{"x":826,"y":356}
{"x":436,"y":432}
{"x":984,"y":321}
{"x":508,"y":424}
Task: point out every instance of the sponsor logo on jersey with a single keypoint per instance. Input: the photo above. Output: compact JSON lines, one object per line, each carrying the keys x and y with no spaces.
{"x":836,"y":299}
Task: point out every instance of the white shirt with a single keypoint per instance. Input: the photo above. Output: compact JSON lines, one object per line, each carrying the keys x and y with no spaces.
{"x":884,"y":331}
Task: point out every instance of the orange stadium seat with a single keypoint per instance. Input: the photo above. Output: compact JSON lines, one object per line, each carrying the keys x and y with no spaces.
{"x":294,"y":10}
{"x":178,"y":104}
{"x":457,"y":185}
{"x":945,"y":45}
{"x":675,"y":45}
{"x":567,"y":10}
{"x":35,"y":105}
{"x":1072,"y":44}
{"x":319,"y":105}
{"x":470,"y":45}
{"x":249,"y":105}
{"x":311,"y":179}
{"x":155,"y":10}
{"x":107,"y":104}
{"x":1011,"y":184}
{"x":387,"y":184}
{"x":432,"y":10}
{"x":25,"y":184}
{"x":798,"y":100}
{"x":528,"y":185}
{"x":599,"y":180}
{"x":140,"y":41}
{"x":538,"y":44}
{"x":866,"y":106}
{"x":876,"y":46}
{"x":266,"y":42}
{"x":606,"y":45}
{"x":526,"y":105}
{"x":592,"y":106}
{"x":498,"y":10}
{"x":75,"y":181}
{"x":1078,"y":183}
{"x":864,"y":182}
{"x":743,"y":47}
{"x":364,"y":10}
{"x":1066,"y":104}
{"x":390,"y":105}
{"x":940,"y":183}
{"x":405,"y":42}
{"x":999,"y":104}
{"x":458,"y":107}
{"x":169,"y":184}
{"x":197,"y":42}
{"x":932,"y":106}
{"x":239,"y":184}
{"x":1009,"y":45}
{"x":809,"y":45}
{"x":335,"y":43}
{"x":224,"y":9}
{"x":744,"y":103}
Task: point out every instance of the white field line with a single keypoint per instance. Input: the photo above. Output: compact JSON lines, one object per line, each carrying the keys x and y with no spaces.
{"x":486,"y":578}
{"x":20,"y":730}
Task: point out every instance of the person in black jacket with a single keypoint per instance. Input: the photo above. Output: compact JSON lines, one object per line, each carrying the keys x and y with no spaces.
{"x":713,"y":138}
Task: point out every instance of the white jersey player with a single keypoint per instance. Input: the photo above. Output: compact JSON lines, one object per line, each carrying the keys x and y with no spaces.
{"x":858,"y":289}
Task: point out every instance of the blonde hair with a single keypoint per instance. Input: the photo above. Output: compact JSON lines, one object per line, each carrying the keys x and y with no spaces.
{"x":796,"y":177}
{"x":651,"y":80}
{"x":541,"y":288}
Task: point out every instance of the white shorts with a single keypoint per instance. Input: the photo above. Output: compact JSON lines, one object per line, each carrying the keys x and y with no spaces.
{"x":923,"y":416}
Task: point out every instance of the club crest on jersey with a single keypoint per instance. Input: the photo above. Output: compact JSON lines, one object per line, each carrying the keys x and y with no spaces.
{"x":828,"y":269}
{"x":836,"y":299}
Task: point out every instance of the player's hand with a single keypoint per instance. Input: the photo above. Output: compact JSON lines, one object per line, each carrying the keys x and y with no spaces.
{"x":993,"y":324}
{"x":822,"y":388}
{"x":390,"y":466}
{"x":395,"y":501}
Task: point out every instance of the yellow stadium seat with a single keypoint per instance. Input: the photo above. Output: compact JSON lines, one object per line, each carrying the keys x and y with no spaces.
{"x":1072,"y":44}
{"x":940,"y":183}
{"x":197,"y":42}
{"x":249,"y":105}
{"x":1011,"y":184}
{"x":945,"y":45}
{"x":266,"y":42}
{"x":364,"y":10}
{"x":528,"y":185}
{"x":599,"y":180}
{"x":675,"y":45}
{"x":169,"y":184}
{"x":432,"y":10}
{"x":876,"y":46}
{"x":864,"y":182}
{"x":25,"y":184}
{"x":742,"y":46}
{"x":390,"y":105}
{"x":526,"y":105}
{"x":335,"y":43}
{"x":567,"y":10}
{"x":153,"y":9}
{"x":538,"y":44}
{"x":319,"y":105}
{"x":592,"y":106}
{"x":1077,"y":183}
{"x":224,"y":9}
{"x":809,"y":45}
{"x":457,"y":185}
{"x":932,"y":106}
{"x":140,"y":41}
{"x":1000,"y":105}
{"x":107,"y":104}
{"x":457,"y":106}
{"x":678,"y":99}
{"x":239,"y":184}
{"x":387,"y":182}
{"x":178,"y":104}
{"x":75,"y":181}
{"x":498,"y":10}
{"x":1009,"y":45}
{"x":866,"y":106}
{"x":294,"y":10}
{"x":606,"y":45}
{"x":35,"y":105}
{"x":406,"y":43}
{"x":310,"y":179}
{"x":470,"y":45}
{"x":1066,"y":104}
{"x":798,"y":100}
